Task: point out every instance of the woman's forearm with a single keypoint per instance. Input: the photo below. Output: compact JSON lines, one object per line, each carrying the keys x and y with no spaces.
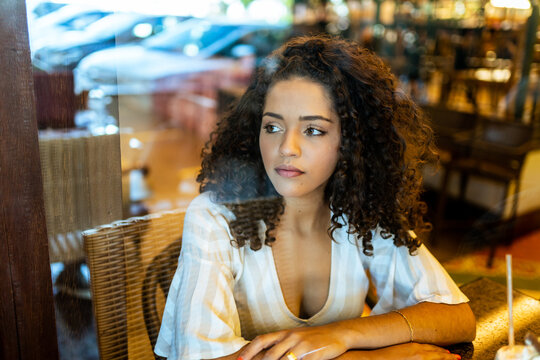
{"x":431,"y":324}
{"x":438,"y":324}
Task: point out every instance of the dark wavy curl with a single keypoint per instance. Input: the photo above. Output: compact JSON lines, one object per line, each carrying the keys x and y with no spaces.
{"x":384,"y":140}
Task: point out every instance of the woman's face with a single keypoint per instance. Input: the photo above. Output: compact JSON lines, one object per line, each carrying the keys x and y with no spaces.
{"x":299,"y":137}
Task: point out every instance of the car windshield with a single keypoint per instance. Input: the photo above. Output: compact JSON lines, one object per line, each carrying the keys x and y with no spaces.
{"x":113,"y":23}
{"x":189,"y":38}
{"x":81,"y":21}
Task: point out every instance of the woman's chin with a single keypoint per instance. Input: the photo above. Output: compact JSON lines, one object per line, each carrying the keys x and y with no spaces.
{"x":294,"y":193}
{"x":297,"y":191}
{"x":290,"y":193}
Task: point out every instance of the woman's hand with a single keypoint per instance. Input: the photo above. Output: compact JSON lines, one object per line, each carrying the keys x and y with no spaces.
{"x":306,"y":343}
{"x":412,"y":351}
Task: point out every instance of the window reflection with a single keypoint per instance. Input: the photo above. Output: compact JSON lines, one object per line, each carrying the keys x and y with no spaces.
{"x":127,"y":99}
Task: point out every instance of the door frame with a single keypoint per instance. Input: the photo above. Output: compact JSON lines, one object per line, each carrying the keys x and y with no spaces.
{"x":28,"y":326}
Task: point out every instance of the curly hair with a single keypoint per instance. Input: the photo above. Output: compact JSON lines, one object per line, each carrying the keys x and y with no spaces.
{"x":384,"y":140}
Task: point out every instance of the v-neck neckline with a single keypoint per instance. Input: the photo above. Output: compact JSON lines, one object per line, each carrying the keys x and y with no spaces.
{"x":278,"y":289}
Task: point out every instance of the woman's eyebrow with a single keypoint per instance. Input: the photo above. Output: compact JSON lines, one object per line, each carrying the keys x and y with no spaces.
{"x":302,"y":118}
{"x":315,"y":117}
{"x":277,"y":116}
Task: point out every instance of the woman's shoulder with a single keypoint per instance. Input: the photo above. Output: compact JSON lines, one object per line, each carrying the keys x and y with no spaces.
{"x":206,"y":203}
{"x":206,"y":225}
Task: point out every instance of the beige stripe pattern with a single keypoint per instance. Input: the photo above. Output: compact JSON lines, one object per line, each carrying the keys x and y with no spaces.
{"x":221,"y":297}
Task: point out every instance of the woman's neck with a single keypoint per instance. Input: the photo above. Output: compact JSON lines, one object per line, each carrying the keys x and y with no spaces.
{"x":305,"y":215}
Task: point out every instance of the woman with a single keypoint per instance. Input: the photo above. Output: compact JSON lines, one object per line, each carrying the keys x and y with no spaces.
{"x":310,"y":191}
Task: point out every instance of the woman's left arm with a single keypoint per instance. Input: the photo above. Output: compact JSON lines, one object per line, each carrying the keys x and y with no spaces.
{"x":430,"y":323}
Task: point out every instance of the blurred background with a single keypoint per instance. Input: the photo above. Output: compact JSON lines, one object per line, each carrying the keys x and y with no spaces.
{"x":127,"y":93}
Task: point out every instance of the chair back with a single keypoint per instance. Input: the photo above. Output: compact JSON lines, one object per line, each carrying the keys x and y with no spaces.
{"x":502,"y":143}
{"x":504,"y":133}
{"x":449,"y":123}
{"x":159,"y":275}
{"x":120,"y":256}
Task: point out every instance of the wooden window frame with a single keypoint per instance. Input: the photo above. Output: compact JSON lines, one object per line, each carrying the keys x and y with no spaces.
{"x":27,"y":325}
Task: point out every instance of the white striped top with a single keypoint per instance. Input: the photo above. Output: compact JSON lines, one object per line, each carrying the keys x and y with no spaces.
{"x":222,"y":296}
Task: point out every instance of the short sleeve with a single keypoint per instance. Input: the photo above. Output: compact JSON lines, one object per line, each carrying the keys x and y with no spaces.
{"x":403,"y":280}
{"x":200,"y":320}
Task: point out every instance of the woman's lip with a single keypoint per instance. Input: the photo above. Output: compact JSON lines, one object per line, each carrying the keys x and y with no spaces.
{"x":288,"y":172}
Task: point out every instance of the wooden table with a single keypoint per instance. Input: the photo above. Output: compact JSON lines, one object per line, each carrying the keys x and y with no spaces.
{"x":488,"y":302}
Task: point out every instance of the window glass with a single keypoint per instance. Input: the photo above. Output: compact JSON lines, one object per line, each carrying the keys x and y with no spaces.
{"x":197,"y":33}
{"x":128,"y":93}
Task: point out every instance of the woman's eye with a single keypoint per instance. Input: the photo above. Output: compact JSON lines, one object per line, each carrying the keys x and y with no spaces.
{"x":270,"y":129}
{"x":311,"y":131}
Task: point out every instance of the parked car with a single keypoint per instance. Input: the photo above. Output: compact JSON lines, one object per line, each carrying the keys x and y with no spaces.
{"x":45,"y":30}
{"x":183,"y":68}
{"x":37,"y":9}
{"x":70,"y":47}
{"x":161,"y":63}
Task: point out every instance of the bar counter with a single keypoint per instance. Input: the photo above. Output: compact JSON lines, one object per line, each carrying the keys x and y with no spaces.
{"x":488,"y":303}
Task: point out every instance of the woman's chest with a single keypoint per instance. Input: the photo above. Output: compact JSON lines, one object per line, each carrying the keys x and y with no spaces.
{"x":308,"y":288}
{"x":303,"y":271}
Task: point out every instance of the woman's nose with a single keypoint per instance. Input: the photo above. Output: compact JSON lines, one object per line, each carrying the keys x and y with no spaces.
{"x":290,"y":145}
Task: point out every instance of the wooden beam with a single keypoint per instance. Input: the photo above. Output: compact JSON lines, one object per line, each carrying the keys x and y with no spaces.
{"x":27,"y":328}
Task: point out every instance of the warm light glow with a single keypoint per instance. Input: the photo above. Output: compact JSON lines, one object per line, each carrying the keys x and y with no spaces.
{"x":459,"y":8}
{"x":511,"y":4}
{"x":387,"y":11}
{"x":496,"y":75}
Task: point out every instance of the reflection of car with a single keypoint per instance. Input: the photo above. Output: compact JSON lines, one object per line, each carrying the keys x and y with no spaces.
{"x":70,"y":47}
{"x":162,"y":62}
{"x":38,"y":9}
{"x":182,"y":68}
{"x":44,"y":30}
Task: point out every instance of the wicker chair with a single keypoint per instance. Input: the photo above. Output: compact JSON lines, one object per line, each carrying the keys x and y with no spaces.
{"x":124,"y":257}
{"x":159,"y":272}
